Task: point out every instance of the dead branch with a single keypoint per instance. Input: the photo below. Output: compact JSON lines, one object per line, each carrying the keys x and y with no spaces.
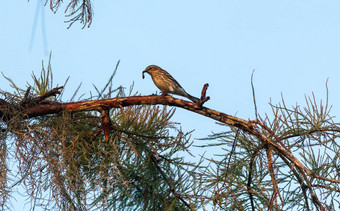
{"x":204,"y":98}
{"x":53,"y":92}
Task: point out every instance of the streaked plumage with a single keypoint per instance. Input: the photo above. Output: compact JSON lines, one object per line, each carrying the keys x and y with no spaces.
{"x":166,"y":83}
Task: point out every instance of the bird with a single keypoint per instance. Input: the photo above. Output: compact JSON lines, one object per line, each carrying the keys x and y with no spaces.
{"x":166,"y":83}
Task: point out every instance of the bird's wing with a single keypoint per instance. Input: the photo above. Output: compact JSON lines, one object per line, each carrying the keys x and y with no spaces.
{"x":172,"y":78}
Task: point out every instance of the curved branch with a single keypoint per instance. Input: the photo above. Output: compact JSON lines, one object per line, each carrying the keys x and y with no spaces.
{"x":251,"y":127}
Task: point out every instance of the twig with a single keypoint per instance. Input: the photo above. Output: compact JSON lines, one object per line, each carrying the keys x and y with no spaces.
{"x":24,"y":100}
{"x":230,"y":155}
{"x":204,"y":98}
{"x":272,"y":175}
{"x":172,"y":189}
{"x":52,"y":92}
{"x":106,"y":122}
{"x":253,"y":89}
{"x":250,"y":192}
{"x":298,"y":177}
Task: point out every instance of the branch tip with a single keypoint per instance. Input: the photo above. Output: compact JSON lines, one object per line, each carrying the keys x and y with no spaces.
{"x":204,"y":98}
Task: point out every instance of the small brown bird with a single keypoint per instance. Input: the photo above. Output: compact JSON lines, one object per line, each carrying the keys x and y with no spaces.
{"x":166,"y":83}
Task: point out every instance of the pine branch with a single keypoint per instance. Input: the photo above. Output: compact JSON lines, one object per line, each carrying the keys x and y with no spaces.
{"x":255,"y":128}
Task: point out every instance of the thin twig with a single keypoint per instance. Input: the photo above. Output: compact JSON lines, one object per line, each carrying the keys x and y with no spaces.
{"x":251,"y":164}
{"x":230,"y":155}
{"x":52,"y":92}
{"x":172,"y":189}
{"x":253,"y":90}
{"x":273,"y":178}
{"x":204,"y":98}
{"x":24,"y":100}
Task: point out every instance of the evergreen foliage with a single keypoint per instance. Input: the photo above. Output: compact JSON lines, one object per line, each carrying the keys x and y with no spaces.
{"x":65,"y":162}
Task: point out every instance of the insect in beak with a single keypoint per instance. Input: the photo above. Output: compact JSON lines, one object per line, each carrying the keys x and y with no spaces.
{"x":143,"y":74}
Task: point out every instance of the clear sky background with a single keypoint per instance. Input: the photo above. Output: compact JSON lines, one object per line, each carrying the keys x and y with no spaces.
{"x":293,"y":45}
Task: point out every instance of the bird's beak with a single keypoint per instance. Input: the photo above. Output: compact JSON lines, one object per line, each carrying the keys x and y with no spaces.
{"x":145,"y":71}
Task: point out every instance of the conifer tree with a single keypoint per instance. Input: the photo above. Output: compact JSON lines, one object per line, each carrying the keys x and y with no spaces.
{"x":120,"y":152}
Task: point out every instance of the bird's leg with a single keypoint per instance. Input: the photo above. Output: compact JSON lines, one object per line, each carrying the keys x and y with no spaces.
{"x":164,"y":93}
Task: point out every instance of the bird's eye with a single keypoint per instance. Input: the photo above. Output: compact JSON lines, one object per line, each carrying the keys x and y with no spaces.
{"x":150,"y":68}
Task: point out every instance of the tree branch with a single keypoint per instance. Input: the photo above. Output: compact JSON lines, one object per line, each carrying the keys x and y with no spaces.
{"x":251,"y":127}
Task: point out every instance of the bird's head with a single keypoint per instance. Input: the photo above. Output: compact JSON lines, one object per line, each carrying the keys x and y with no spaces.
{"x":150,"y":69}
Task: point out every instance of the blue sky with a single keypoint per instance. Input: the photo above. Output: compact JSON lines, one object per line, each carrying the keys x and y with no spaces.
{"x":293,"y":45}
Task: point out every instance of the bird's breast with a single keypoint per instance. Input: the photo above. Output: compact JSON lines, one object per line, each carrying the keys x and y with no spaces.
{"x":163,"y":84}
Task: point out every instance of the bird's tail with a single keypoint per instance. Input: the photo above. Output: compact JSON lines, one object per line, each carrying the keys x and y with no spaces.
{"x":193,"y":99}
